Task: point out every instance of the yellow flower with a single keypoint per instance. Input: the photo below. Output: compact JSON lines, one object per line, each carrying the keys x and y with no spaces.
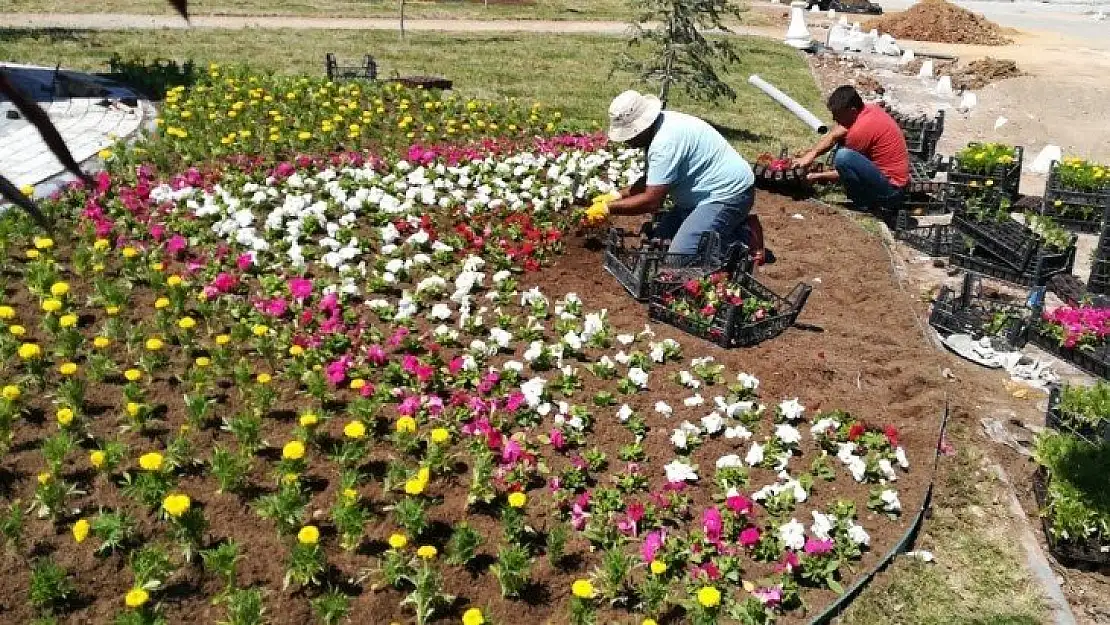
{"x":133,"y":375}
{"x":67,"y":321}
{"x":100,"y":245}
{"x":186,"y":323}
{"x":129,"y":252}
{"x":398,"y":541}
{"x":67,"y":368}
{"x":440,"y":436}
{"x":44,"y":478}
{"x":176,"y":505}
{"x":350,"y":494}
{"x":174,"y":281}
{"x":222,"y":339}
{"x":11,"y":392}
{"x":136,"y":598}
{"x":990,"y":183}
{"x":161,"y":302}
{"x":473,"y":616}
{"x":104,"y":154}
{"x":582,"y":588}
{"x":358,"y":384}
{"x":154,"y":344}
{"x":427,"y":552}
{"x":415,"y":486}
{"x":43,"y":243}
{"x":112,"y":310}
{"x":27,"y":189}
{"x":64,"y":416}
{"x":101,"y":342}
{"x":51,"y":305}
{"x":260,"y":330}
{"x":293,"y":450}
{"x":27,"y":351}
{"x":649,"y":621}
{"x":151,"y":461}
{"x":132,"y":408}
{"x":709,"y":597}
{"x":59,"y":289}
{"x":96,"y":459}
{"x":80,"y":530}
{"x":296,"y":350}
{"x":308,"y":535}
{"x":406,"y":424}
{"x":517,"y":500}
{"x":658,"y":567}
{"x":355,"y":430}
{"x":7,"y":312}
{"x":304,"y":135}
{"x":263,"y":378}
{"x":308,"y":420}
{"x":32,"y":254}
{"x":17,"y":330}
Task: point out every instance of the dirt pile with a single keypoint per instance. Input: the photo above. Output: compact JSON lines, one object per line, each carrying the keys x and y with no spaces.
{"x":942,"y":22}
{"x":982,"y":72}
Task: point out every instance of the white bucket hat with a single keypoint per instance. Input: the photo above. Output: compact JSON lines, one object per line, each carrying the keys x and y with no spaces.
{"x":631,"y":113}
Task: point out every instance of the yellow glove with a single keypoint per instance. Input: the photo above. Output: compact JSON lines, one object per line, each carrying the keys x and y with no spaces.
{"x":598,"y":213}
{"x":608,"y":197}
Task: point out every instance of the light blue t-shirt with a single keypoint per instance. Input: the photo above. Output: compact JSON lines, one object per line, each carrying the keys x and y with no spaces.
{"x":696,"y":162}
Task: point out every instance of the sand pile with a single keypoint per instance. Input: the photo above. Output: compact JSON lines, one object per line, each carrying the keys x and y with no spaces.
{"x":942,"y":22}
{"x":982,"y":72}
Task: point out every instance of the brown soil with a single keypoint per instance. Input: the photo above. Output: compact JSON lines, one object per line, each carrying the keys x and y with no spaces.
{"x":940,"y":67}
{"x":942,"y":22}
{"x":982,"y":72}
{"x":870,"y":359}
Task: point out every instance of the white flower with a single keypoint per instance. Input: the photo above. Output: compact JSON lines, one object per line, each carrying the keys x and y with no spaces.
{"x":844,"y":451}
{"x":657,"y":353}
{"x":594,"y":323}
{"x":573,"y":341}
{"x":679,"y":471}
{"x":731,"y":461}
{"x":513,"y":365}
{"x":857,"y":467}
{"x":788,"y":434}
{"x":502,"y":338}
{"x":696,"y":400}
{"x":900,"y":456}
{"x":535,"y":349}
{"x":890,"y":499}
{"x":748,"y":381}
{"x":738,"y":431}
{"x":887,"y":469}
{"x":440,"y":312}
{"x":858,"y":535}
{"x":822,"y":426}
{"x":501,"y":276}
{"x":678,"y":438}
{"x":791,"y":410}
{"x":663,"y":408}
{"x":755,"y":455}
{"x":688,"y":380}
{"x":822,"y":525}
{"x":624,"y":413}
{"x":625,"y":339}
{"x":638,"y":376}
{"x":532,"y":296}
{"x":533,"y":391}
{"x":712,"y":423}
{"x":793,"y":535}
{"x":622,"y":358}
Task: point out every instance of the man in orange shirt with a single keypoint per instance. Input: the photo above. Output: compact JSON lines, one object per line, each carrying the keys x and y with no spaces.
{"x":872,"y":162}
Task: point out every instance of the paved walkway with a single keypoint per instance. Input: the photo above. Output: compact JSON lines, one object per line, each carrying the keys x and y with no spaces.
{"x":87,"y":124}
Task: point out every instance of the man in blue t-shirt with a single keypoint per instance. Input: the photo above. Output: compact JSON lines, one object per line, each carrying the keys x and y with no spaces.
{"x":713,"y":187}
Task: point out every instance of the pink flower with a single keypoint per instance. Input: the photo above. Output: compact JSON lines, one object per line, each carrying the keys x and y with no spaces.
{"x":176,"y":244}
{"x":739,"y":504}
{"x":300,"y":288}
{"x":336,"y":371}
{"x":653,"y":542}
{"x":770,"y":597}
{"x":557,"y":440}
{"x":244,"y":261}
{"x":511,"y":452}
{"x":788,"y":564}
{"x":749,"y":537}
{"x":376,"y":355}
{"x":456,"y":365}
{"x":711,"y":524}
{"x":225,"y":282}
{"x":815,"y":547}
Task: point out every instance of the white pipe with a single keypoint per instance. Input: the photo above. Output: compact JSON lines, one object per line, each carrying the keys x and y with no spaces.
{"x":790,"y":104}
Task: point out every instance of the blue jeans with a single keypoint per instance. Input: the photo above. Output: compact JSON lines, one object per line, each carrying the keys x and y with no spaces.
{"x":865,"y":185}
{"x":684,"y":227}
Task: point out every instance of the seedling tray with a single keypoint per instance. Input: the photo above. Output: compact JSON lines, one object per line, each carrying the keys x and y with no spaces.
{"x":1096,"y":362}
{"x":636,"y":268}
{"x":1099,"y":280}
{"x":1013,"y":243}
{"x":1037,"y":274}
{"x":1005,"y":178}
{"x":935,"y":240}
{"x":1055,"y":419}
{"x":969,"y":311}
{"x":1066,"y":550}
{"x":921,"y":132}
{"x":726,"y":327}
{"x":1083,"y":211}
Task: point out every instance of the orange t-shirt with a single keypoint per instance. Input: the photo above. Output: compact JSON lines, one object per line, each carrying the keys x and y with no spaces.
{"x":877,"y":136}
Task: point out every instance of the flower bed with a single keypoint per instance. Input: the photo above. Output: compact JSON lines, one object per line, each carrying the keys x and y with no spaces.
{"x":1082,"y":411}
{"x":1070,"y":490}
{"x":729,"y":309}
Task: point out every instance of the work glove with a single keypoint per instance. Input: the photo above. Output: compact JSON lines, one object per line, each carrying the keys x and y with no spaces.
{"x":598,"y":213}
{"x":607,"y":197}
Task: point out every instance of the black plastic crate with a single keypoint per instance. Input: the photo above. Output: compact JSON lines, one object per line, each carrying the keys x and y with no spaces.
{"x":1083,"y":211}
{"x":920,"y":131}
{"x":1096,"y":361}
{"x":726,"y":328}
{"x":1013,"y":243}
{"x":1005,"y":177}
{"x":924,"y":195}
{"x":971,"y":311}
{"x":1055,"y":419}
{"x":934,"y":240}
{"x":367,"y":71}
{"x":635,"y":268}
{"x":1066,"y":550}
{"x":1037,"y":273}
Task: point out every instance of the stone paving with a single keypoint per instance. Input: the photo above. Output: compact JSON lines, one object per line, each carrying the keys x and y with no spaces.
{"x":87,"y":124}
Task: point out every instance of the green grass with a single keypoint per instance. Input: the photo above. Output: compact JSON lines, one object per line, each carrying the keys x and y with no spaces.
{"x":476,"y":9}
{"x":571,"y":72}
{"x":978,"y":576}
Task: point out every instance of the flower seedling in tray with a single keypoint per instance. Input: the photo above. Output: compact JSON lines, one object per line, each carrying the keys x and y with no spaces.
{"x":1077,"y":194}
{"x":986,"y":220}
{"x":644,"y":270}
{"x":986,"y":166}
{"x":1077,"y":334}
{"x":780,"y":174}
{"x":1080,"y":410}
{"x":731,"y":310}
{"x":1072,"y":494}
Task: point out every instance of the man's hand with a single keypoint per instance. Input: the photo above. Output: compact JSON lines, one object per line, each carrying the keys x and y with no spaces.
{"x":805,"y":160}
{"x":607,"y":197}
{"x":598,"y":213}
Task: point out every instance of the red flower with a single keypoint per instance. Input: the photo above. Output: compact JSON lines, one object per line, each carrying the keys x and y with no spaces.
{"x":856,"y":431}
{"x":891,"y":435}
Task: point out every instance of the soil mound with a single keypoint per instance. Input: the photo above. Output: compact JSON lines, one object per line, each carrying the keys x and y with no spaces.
{"x":941,"y":22}
{"x":982,"y":72}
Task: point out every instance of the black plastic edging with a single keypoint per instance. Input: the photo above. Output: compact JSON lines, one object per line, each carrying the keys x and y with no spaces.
{"x":845,"y":600}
